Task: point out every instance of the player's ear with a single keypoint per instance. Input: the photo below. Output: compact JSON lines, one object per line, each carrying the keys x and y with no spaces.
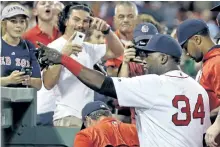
{"x":197,"y":39}
{"x":164,"y":59}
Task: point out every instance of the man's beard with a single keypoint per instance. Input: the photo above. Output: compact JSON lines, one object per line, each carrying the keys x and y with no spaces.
{"x":197,"y":59}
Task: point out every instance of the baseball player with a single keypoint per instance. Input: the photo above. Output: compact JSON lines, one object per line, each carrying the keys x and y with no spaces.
{"x":193,"y":36}
{"x":171,"y":108}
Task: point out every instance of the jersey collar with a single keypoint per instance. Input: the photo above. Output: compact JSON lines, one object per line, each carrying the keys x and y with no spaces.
{"x":176,"y":73}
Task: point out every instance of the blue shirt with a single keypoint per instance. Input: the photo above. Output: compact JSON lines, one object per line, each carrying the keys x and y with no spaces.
{"x":15,"y":57}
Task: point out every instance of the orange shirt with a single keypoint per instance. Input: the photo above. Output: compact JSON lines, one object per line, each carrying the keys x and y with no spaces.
{"x":210,"y":78}
{"x":35,"y":34}
{"x":116,"y":62}
{"x":108,"y":131}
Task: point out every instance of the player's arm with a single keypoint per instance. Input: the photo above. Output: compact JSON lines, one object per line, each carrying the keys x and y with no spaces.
{"x":91,"y":78}
{"x":130,"y":91}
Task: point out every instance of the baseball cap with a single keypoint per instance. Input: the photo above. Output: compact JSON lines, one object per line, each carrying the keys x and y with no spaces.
{"x":164,"y":44}
{"x":189,"y":28}
{"x":216,"y":8}
{"x":13,"y":10}
{"x":93,"y":106}
{"x":144,"y":31}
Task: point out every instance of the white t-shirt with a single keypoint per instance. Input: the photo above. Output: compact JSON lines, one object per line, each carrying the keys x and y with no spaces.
{"x":166,"y":108}
{"x":46,"y":99}
{"x":74,"y":94}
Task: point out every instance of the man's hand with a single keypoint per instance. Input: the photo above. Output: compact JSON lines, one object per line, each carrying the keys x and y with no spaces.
{"x":70,"y":48}
{"x":99,"y":24}
{"x":211,"y":134}
{"x":49,"y":55}
{"x":129,"y":52}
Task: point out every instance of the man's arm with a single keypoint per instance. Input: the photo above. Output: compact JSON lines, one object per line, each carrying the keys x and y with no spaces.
{"x":212,"y":133}
{"x":124,"y":70}
{"x":51,"y":76}
{"x":114,"y":46}
{"x":36,"y":83}
{"x":129,"y":53}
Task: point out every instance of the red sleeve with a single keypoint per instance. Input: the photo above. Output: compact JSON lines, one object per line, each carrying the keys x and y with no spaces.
{"x":216,"y":80}
{"x":82,"y":140}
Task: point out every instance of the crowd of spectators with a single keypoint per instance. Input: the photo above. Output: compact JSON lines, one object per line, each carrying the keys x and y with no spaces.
{"x":61,"y":97}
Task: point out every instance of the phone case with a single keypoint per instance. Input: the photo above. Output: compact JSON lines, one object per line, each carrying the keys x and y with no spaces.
{"x":79,"y":38}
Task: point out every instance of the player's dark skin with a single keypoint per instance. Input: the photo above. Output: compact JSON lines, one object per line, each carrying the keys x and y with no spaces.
{"x":197,"y":46}
{"x":158,"y":63}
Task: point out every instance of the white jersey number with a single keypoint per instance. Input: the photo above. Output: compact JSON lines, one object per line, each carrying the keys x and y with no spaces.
{"x":186,"y":109}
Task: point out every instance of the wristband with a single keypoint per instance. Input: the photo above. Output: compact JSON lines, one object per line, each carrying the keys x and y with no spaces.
{"x":106,"y":32}
{"x":72,"y":65}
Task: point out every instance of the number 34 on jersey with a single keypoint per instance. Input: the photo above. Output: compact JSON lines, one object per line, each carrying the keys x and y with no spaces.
{"x":197,"y":113}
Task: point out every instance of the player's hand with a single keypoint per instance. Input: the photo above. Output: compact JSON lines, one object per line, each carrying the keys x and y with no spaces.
{"x":129,"y":52}
{"x":70,"y":48}
{"x":99,"y":24}
{"x":16,"y":77}
{"x":49,"y":55}
{"x":211,"y":134}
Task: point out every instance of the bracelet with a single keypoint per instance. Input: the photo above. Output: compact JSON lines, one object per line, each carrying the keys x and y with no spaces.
{"x":106,"y":32}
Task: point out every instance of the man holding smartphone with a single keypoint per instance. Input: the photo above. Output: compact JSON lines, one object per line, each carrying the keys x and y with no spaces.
{"x":74,"y":95}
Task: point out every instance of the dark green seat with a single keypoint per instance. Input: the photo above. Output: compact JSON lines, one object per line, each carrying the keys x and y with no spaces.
{"x":19,"y":115}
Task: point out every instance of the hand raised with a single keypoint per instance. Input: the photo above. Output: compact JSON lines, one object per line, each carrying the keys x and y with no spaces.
{"x":70,"y":48}
{"x":99,"y":24}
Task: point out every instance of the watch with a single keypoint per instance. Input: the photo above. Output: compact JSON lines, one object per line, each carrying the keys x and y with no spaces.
{"x":106,"y":32}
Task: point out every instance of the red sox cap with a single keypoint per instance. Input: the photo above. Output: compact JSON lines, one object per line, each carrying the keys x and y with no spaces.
{"x":164,"y":44}
{"x":189,"y":28}
{"x":93,"y":106}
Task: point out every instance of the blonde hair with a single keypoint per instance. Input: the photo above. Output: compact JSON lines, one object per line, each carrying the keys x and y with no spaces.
{"x":3,"y":27}
{"x":148,"y":18}
{"x":4,"y":23}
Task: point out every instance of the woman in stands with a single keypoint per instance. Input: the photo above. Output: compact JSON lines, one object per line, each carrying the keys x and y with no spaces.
{"x":19,"y":65}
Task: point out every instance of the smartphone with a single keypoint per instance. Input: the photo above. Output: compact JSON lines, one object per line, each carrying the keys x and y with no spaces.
{"x":79,"y":38}
{"x":27,"y":70}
